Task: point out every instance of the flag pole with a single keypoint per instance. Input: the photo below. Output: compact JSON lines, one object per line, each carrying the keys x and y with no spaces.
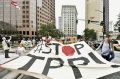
{"x":10,"y":17}
{"x":3,"y":19}
{"x":16,"y":18}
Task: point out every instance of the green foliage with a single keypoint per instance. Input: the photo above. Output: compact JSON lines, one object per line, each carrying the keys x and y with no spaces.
{"x":49,"y":30}
{"x":90,"y":34}
{"x":7,"y":26}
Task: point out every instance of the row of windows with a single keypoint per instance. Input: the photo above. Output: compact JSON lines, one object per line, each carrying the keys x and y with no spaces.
{"x":27,"y":25}
{"x":25,"y":21}
{"x":27,"y":2}
{"x":27,"y":16}
{"x":23,"y":7}
{"x":26,"y":12}
{"x":27,"y":32}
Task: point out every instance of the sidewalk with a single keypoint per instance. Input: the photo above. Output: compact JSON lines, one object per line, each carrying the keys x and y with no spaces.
{"x":12,"y":55}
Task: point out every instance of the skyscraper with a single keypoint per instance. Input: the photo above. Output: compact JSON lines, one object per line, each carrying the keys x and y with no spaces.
{"x":25,"y":18}
{"x":10,"y":14}
{"x":69,"y":17}
{"x":94,"y":12}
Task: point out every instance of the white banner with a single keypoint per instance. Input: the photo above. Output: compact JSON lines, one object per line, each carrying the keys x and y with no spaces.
{"x":58,"y":61}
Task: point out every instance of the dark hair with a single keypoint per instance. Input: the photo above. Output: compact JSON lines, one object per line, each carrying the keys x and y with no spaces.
{"x":108,"y":35}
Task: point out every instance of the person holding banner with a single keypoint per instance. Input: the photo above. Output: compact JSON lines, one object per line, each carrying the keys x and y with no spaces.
{"x":20,"y":50}
{"x":106,"y":48}
{"x":6,"y":46}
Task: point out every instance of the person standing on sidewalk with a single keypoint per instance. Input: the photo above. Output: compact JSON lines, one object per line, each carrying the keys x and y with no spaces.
{"x":6,"y":46}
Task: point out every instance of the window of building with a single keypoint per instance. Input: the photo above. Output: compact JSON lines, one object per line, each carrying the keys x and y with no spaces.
{"x":27,"y":6}
{"x":23,"y":16}
{"x":23,"y":25}
{"x":27,"y":20}
{"x":23,"y":21}
{"x":23,"y":2}
{"x":23,"y":11}
{"x":27,"y":16}
{"x":27,"y":32}
{"x":23,"y":32}
{"x":32,"y":32}
{"x":27,"y":25}
{"x":27,"y":2}
{"x":23,"y":7}
{"x":27,"y":11}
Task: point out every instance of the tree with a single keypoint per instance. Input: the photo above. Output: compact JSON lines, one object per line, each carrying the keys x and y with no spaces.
{"x":90,"y":34}
{"x":49,"y":30}
{"x":7,"y":28}
{"x":117,"y":24}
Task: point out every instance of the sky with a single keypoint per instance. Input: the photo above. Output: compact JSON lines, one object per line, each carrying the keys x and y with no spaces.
{"x":114,"y":10}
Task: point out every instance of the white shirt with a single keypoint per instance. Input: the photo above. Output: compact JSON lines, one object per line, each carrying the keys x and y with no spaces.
{"x":20,"y":51}
{"x":106,"y":48}
{"x":5,"y":46}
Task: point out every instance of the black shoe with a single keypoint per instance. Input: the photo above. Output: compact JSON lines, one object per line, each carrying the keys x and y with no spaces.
{"x":7,"y":57}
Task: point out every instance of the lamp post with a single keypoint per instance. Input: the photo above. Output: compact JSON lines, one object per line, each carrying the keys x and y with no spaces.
{"x":3,"y":16}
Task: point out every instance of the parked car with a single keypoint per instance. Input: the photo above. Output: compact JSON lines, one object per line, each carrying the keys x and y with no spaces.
{"x":116,"y":45}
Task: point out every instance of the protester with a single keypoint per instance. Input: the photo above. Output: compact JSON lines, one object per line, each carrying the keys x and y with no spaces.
{"x":23,"y":41}
{"x":33,"y":42}
{"x":6,"y":46}
{"x":29,"y":43}
{"x":21,"y":50}
{"x":107,"y":51}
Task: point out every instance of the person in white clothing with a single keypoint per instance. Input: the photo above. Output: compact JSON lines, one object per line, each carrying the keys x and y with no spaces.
{"x":33,"y":42}
{"x":21,"y":50}
{"x":6,"y":46}
{"x":23,"y":41}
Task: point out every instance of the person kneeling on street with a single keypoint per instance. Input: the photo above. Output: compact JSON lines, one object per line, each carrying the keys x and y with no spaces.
{"x":106,"y":48}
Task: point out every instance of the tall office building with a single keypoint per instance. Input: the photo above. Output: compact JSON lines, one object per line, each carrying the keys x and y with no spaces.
{"x":69,"y":17}
{"x":47,"y":12}
{"x":60,"y":24}
{"x":9,"y":14}
{"x":94,"y":12}
{"x":25,"y":18}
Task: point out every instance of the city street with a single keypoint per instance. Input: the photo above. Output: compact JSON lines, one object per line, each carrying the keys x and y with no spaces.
{"x":28,"y":24}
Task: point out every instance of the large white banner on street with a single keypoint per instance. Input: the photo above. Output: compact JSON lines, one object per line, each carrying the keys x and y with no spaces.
{"x":58,"y":61}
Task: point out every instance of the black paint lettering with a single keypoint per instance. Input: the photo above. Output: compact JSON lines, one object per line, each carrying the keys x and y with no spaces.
{"x":95,"y":58}
{"x":47,"y":52}
{"x":29,"y":64}
{"x":56,"y":47}
{"x":47,"y":66}
{"x":115,"y":66}
{"x":36,"y":48}
{"x":74,"y":68}
{"x":78,"y":46}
